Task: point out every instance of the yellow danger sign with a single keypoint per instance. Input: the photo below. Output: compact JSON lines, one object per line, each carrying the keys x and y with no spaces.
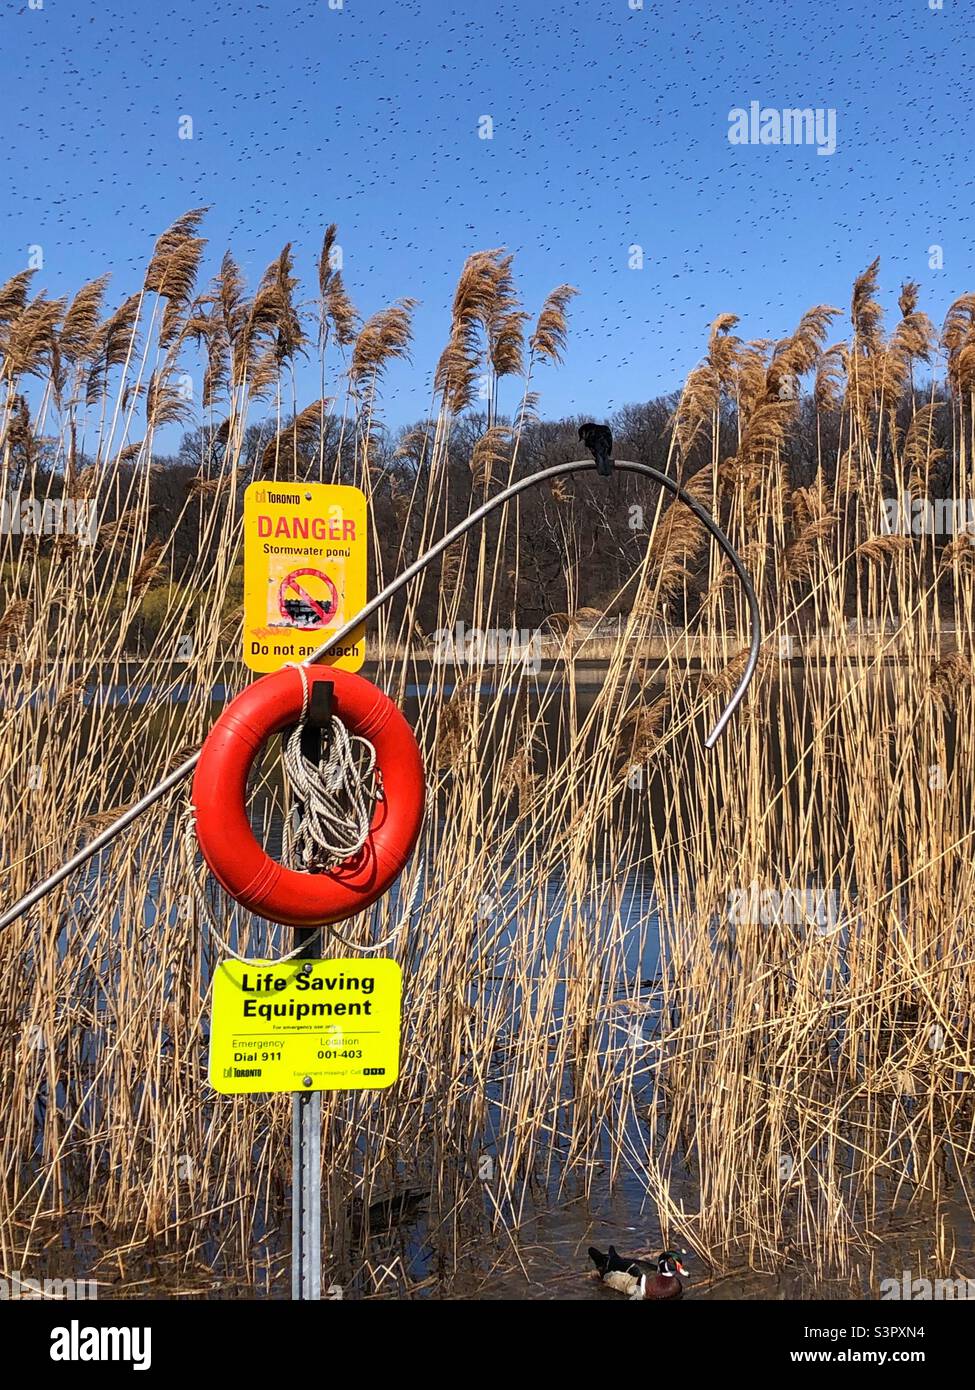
{"x":304,"y":573}
{"x":305,"y":1025}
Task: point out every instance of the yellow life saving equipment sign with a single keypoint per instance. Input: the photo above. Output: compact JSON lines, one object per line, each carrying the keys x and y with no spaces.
{"x":304,"y":572}
{"x":305,"y":1025}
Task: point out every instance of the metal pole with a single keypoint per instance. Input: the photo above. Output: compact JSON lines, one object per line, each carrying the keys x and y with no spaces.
{"x":306,"y":1180}
{"x":306,"y":1105}
{"x":172,"y":779}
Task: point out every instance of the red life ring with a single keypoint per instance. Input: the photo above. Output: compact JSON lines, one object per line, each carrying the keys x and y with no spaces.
{"x":219,"y":800}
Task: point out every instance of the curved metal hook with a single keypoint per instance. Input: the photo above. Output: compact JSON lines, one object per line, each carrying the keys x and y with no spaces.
{"x":559,"y":470}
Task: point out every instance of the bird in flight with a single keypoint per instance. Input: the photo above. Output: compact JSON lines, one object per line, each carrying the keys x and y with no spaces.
{"x":598,"y":439}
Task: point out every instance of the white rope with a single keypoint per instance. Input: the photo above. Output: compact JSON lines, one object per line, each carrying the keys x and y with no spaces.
{"x":199,"y":892}
{"x":334,"y":801}
{"x":206,"y":915}
{"x":391,"y":935}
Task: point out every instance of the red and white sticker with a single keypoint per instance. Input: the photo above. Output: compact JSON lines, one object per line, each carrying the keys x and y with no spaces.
{"x":307,"y":599}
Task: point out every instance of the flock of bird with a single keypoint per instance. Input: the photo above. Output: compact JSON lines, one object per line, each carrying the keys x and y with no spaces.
{"x":609,"y":133}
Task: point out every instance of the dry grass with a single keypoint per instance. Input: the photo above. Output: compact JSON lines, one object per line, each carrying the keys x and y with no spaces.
{"x":777,"y":1090}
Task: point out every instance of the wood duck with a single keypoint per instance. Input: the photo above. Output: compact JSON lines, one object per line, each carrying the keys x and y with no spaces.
{"x":640,"y":1278}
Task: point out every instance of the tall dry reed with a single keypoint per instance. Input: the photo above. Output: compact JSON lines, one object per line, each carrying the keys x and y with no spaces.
{"x":782,"y":1087}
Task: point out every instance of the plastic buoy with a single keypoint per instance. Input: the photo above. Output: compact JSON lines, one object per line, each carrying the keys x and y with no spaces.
{"x":223,"y":830}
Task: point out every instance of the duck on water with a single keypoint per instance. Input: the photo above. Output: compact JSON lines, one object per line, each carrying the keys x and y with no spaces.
{"x":639,"y":1278}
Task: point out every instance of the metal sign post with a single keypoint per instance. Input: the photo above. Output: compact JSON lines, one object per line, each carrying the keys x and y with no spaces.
{"x":306,"y":1106}
{"x":306,"y":1179}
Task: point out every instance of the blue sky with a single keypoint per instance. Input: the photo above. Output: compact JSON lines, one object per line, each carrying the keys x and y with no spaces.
{"x":610,"y":129}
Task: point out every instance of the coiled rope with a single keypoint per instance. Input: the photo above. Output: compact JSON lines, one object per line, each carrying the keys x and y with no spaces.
{"x":333,"y":801}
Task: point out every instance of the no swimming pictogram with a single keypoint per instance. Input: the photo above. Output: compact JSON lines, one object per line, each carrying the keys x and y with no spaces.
{"x":307,"y":599}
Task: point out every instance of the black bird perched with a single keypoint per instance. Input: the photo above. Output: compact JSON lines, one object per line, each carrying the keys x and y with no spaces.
{"x":598,"y":439}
